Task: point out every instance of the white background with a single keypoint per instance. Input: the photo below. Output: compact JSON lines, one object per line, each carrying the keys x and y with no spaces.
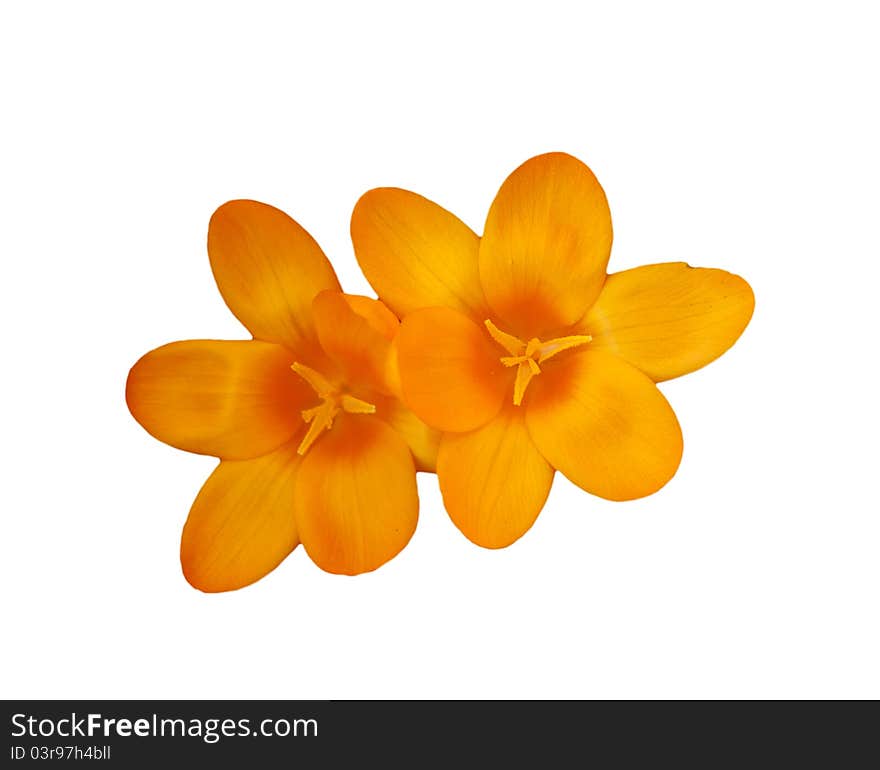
{"x":745,"y":139}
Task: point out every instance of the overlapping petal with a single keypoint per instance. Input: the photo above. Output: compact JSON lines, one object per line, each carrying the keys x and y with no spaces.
{"x":376,"y":314}
{"x":357,"y":502}
{"x":422,"y":440}
{"x":242,"y":523}
{"x":494,"y":480}
{"x":416,"y":254}
{"x":670,"y":319}
{"x":604,"y":424}
{"x":546,"y":245}
{"x":231,"y":399}
{"x":268,"y":269}
{"x":450,"y":373}
{"x":357,"y":336}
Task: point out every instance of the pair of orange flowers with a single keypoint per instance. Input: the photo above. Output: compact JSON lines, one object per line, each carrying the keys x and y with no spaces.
{"x":515,"y":355}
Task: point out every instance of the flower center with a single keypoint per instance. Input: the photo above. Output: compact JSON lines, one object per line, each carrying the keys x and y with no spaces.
{"x":333,"y":400}
{"x":527,"y":356}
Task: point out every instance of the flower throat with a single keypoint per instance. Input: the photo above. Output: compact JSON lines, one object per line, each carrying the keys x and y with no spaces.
{"x":333,"y":400}
{"x":527,"y":356}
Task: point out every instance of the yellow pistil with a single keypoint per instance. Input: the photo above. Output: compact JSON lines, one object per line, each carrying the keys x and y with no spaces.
{"x":528,"y":355}
{"x":320,"y":418}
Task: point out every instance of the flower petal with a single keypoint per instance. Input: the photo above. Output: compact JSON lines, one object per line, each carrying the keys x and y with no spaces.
{"x":376,"y":313}
{"x":546,"y":245}
{"x":450,"y":373}
{"x":422,"y":440}
{"x":604,"y":424}
{"x":357,"y":336}
{"x":357,"y":502}
{"x":242,"y":524}
{"x":416,"y":254}
{"x":670,"y":319}
{"x":494,"y":480}
{"x":232,"y":399}
{"x":268,"y":269}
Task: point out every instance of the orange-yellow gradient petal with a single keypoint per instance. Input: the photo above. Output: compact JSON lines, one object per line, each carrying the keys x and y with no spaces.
{"x":268,"y":269}
{"x":604,"y":424}
{"x":376,"y":313}
{"x":670,"y":319}
{"x":546,"y":245}
{"x":356,"y":332}
{"x":415,"y":254}
{"x":422,"y":440}
{"x":242,"y":524}
{"x":450,"y":373}
{"x":231,"y":399}
{"x":494,"y":480}
{"x":357,"y":503}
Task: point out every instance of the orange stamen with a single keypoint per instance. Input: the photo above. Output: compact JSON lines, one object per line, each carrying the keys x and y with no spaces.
{"x":528,"y":355}
{"x":320,"y":418}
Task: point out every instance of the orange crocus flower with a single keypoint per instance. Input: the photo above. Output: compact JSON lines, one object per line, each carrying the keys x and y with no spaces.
{"x":313,"y":446}
{"x":527,"y":355}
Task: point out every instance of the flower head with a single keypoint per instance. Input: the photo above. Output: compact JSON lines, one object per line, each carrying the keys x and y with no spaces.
{"x":314,"y":446}
{"x":527,"y":354}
